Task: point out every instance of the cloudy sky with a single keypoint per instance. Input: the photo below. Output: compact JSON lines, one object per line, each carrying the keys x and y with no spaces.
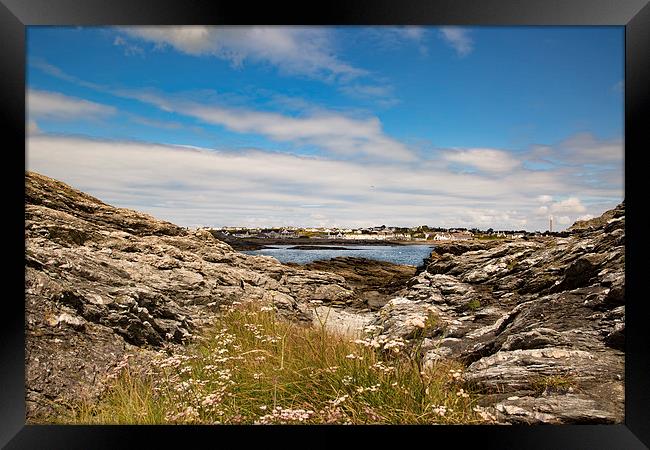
{"x":484,"y":127}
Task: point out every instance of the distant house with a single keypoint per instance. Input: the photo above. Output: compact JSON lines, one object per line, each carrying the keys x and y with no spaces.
{"x":441,"y":237}
{"x":462,"y":235}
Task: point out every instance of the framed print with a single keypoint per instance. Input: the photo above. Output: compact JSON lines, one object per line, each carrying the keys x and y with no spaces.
{"x":415,"y":220}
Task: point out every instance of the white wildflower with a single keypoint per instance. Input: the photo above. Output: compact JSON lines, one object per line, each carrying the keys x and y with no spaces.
{"x":441,"y":410}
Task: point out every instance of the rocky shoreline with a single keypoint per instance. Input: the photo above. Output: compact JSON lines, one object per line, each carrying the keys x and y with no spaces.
{"x":375,"y":282}
{"x":539,"y":323}
{"x":102,"y":282}
{"x":262,"y":243}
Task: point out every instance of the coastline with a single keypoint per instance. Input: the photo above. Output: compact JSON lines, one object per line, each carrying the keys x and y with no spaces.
{"x":263,"y":243}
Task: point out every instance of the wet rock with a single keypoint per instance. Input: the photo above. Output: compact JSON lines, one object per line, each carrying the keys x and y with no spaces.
{"x":374,"y":282}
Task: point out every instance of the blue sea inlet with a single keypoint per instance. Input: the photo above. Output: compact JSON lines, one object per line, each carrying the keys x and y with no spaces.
{"x":399,"y":254}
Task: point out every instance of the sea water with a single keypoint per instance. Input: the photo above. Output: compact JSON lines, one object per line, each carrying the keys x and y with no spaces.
{"x":399,"y":254}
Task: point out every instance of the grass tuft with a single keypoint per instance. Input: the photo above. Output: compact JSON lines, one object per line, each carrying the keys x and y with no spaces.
{"x":254,"y":368}
{"x":553,"y":384}
{"x":473,"y":304}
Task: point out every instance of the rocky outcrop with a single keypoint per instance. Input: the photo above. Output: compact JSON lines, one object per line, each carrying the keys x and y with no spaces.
{"x":539,"y":323}
{"x":102,"y":282}
{"x":374,"y":282}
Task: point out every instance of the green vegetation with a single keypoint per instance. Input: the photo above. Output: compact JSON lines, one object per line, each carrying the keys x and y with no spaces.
{"x":473,"y":304}
{"x":310,"y":234}
{"x":553,"y":384}
{"x":488,"y":237}
{"x":428,"y":328}
{"x":256,"y":368}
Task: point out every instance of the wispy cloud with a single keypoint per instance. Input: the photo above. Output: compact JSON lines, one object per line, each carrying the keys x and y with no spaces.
{"x":596,"y":162}
{"x":619,"y":87}
{"x":193,"y":186}
{"x":378,"y":94}
{"x":53,"y":105}
{"x":585,"y":149}
{"x":293,"y":50}
{"x":332,"y":132}
{"x":394,"y":38}
{"x":55,"y":71}
{"x":130,"y":49}
{"x":484,"y":159}
{"x":570,"y":205}
{"x":459,"y":39}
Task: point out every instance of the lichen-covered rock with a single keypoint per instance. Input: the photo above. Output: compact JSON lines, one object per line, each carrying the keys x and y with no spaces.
{"x":527,"y":317}
{"x":102,"y":282}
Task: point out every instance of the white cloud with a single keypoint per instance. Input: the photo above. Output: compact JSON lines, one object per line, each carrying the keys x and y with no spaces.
{"x":544,"y":199}
{"x":459,"y":39}
{"x":331,"y":131}
{"x":129,"y":48}
{"x":58,"y":73}
{"x":413,"y":32}
{"x":191,"y":186}
{"x":584,"y":148}
{"x":569,"y":205}
{"x":390,"y":38}
{"x":53,"y":105}
{"x":485,"y":159}
{"x":294,"y":50}
{"x":335,"y":133}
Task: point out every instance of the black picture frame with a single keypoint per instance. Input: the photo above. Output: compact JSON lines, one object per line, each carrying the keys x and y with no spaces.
{"x":634,"y":15}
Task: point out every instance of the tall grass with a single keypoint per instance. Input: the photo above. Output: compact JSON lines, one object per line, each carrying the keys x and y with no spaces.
{"x":256,"y":368}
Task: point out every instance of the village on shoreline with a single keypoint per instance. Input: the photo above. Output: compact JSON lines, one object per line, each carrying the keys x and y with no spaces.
{"x":378,"y":233}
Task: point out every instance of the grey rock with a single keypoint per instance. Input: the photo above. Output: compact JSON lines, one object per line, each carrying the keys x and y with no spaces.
{"x":526,"y":317}
{"x":102,"y":282}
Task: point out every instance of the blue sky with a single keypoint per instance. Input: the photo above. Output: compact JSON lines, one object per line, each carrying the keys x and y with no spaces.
{"x":351,"y":126}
